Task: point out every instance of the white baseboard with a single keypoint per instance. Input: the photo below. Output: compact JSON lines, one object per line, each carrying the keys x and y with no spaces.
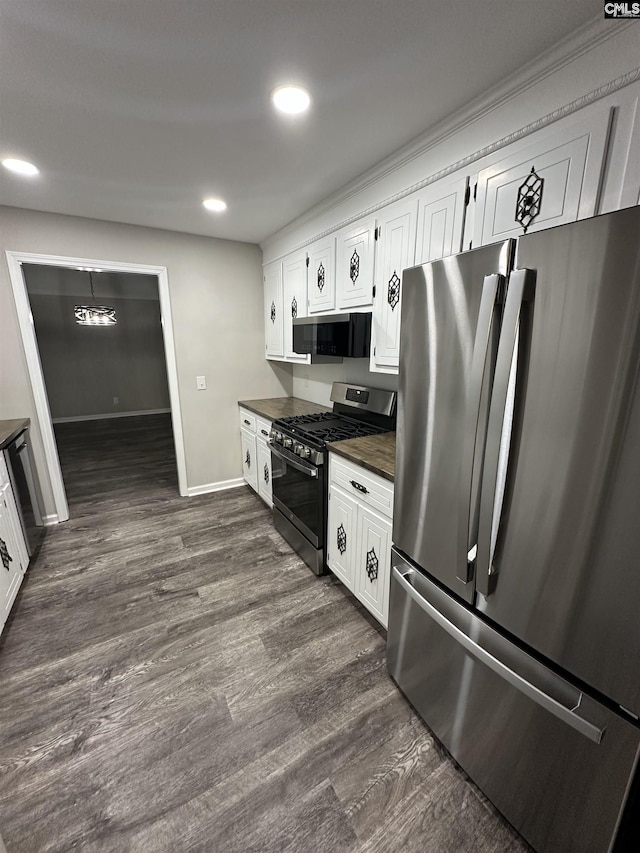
{"x":79,"y":418}
{"x":50,"y":520}
{"x":206,"y":488}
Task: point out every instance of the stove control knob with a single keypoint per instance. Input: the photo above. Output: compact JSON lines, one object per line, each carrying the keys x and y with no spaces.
{"x":279,"y":437}
{"x":273,"y":435}
{"x":288,"y":442}
{"x":305,"y":452}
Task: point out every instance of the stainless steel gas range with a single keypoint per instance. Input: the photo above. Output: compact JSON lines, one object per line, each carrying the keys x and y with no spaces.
{"x":299,"y":462}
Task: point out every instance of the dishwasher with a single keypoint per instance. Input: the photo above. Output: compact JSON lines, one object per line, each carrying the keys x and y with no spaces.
{"x":26,"y":489}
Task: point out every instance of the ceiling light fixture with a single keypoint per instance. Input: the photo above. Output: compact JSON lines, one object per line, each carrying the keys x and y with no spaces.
{"x":20,"y":167}
{"x":215,"y":204}
{"x":291,"y":100}
{"x":94,"y":315}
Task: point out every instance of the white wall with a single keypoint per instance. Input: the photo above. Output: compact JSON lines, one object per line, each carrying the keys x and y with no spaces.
{"x":217,"y":312}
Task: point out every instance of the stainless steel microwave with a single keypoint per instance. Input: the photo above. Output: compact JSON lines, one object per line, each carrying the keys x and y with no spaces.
{"x":338,"y":335}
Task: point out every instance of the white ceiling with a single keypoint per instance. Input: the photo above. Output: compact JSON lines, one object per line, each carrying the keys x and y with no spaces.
{"x":135,"y":110}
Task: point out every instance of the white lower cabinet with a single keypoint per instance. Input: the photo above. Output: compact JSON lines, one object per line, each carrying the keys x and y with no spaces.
{"x":263,"y":456}
{"x":14,"y":557}
{"x":359,"y":536}
{"x":373,"y":562}
{"x":342,"y":536}
{"x":249,"y":458}
{"x":256,"y":455}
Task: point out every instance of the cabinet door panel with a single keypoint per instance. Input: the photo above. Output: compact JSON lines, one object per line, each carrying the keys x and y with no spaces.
{"x":273,"y":325}
{"x":11,"y":565}
{"x":373,"y":561}
{"x":263,"y":471}
{"x":395,"y":250}
{"x":341,"y":537}
{"x":321,"y":281}
{"x":249,"y":458}
{"x":354,"y":265}
{"x":294,"y":276}
{"x":568,"y":163}
{"x":440,"y":221}
{"x":13,"y":520}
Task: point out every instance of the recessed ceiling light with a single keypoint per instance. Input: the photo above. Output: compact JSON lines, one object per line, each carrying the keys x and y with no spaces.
{"x":215,"y":204}
{"x":20,"y":167}
{"x":291,"y":99}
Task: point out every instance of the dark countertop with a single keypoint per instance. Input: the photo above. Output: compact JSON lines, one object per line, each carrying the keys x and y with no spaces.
{"x":376,"y":453}
{"x":10,"y":429}
{"x":281,"y":407}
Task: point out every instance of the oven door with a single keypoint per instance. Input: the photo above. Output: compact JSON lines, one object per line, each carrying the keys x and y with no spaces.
{"x":298,"y":492}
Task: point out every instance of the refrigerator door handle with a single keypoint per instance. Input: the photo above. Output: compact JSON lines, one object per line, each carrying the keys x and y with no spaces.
{"x":496,"y":460}
{"x":568,"y":714}
{"x":471,"y":463}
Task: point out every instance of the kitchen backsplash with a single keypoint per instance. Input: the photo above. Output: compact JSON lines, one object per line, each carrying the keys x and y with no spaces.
{"x":313,"y":381}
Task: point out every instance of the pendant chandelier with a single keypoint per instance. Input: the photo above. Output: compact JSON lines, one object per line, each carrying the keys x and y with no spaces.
{"x":94,"y":315}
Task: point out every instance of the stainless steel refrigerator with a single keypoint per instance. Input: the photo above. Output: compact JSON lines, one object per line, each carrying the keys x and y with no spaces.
{"x":514,"y":624}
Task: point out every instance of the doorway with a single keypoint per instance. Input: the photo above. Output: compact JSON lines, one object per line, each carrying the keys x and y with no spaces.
{"x":90,"y":406}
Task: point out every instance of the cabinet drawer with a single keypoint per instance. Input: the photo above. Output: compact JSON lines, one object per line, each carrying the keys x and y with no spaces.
{"x":263,"y":428}
{"x":247,"y":420}
{"x":366,"y":487}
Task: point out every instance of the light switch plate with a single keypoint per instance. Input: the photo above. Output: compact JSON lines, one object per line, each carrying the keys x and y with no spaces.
{"x":201,"y":383}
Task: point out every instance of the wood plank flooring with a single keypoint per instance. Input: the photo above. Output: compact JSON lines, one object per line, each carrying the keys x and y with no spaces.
{"x":174,"y":678}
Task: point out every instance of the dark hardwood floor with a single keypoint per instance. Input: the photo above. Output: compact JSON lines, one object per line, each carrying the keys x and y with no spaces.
{"x":173,"y":678}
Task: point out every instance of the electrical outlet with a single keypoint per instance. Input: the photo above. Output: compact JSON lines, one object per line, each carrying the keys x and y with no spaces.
{"x":201,"y":383}
{"x":115,"y":401}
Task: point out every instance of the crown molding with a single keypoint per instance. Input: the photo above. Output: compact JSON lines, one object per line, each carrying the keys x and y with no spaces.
{"x":563,"y":53}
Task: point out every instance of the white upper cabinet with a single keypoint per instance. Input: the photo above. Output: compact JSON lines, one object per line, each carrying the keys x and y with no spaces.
{"x":395,"y":250}
{"x":441,"y":209}
{"x":321,"y":280}
{"x":355,"y":249}
{"x":294,"y":276}
{"x":273,"y":310}
{"x":550,"y":182}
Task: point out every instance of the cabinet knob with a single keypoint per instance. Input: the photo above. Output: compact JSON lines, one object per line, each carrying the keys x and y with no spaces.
{"x":341,"y":537}
{"x":372,"y":565}
{"x":247,"y":459}
{"x":5,"y":556}
{"x":360,"y":487}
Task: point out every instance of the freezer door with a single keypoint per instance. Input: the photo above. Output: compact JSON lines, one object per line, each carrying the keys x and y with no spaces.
{"x":559,"y":537}
{"x":555,"y":762}
{"x":450,"y":324}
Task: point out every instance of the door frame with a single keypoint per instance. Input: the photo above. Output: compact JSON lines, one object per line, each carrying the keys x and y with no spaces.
{"x":34,"y":367}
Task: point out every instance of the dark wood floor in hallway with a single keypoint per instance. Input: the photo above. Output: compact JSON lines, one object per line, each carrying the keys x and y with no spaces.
{"x":173,"y":678}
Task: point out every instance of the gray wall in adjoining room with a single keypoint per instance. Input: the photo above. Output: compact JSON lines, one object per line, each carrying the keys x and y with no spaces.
{"x":86,"y":367}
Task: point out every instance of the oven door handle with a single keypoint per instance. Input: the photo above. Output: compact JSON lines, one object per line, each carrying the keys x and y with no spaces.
{"x":309,"y":470}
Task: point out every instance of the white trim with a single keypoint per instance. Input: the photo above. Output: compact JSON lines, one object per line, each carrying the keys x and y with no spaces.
{"x":78,"y":418}
{"x":50,"y":520}
{"x":400,"y":159}
{"x":34,"y":367}
{"x":220,"y":486}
